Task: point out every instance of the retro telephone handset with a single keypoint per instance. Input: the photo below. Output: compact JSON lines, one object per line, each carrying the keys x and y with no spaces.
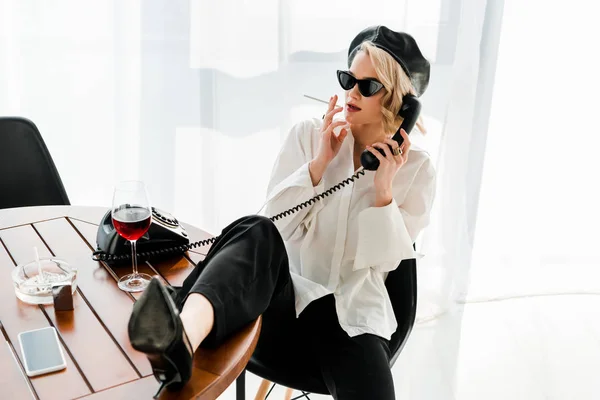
{"x":410,"y":110}
{"x":166,"y":236}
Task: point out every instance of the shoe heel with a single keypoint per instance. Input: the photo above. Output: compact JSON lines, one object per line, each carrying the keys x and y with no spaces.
{"x":165,"y":373}
{"x":160,"y":389}
{"x":173,"y":384}
{"x":163,"y":368}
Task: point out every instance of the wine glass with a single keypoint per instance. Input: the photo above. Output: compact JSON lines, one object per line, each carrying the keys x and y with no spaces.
{"x":131,"y":216}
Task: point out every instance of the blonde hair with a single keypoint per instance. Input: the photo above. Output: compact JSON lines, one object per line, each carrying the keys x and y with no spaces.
{"x":396,"y":83}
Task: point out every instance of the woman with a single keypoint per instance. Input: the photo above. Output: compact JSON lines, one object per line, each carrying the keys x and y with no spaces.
{"x":318,"y":275}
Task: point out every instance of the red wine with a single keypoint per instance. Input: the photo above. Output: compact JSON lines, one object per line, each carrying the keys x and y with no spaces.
{"x":132,"y":223}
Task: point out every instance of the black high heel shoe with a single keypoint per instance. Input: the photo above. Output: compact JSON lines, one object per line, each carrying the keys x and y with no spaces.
{"x":156,"y":330}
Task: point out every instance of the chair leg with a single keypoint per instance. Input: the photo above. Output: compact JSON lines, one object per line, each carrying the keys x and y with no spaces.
{"x":270,"y":390}
{"x":240,"y":386}
{"x":263,"y":390}
{"x":304,"y":394}
{"x":288,"y":394}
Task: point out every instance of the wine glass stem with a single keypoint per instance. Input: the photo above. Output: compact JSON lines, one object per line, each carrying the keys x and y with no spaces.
{"x":134,"y":257}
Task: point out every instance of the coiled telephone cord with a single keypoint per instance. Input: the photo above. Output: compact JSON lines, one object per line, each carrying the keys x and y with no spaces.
{"x":100,"y":255}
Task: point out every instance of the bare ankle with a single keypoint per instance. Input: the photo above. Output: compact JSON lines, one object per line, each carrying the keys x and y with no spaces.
{"x":197,"y":318}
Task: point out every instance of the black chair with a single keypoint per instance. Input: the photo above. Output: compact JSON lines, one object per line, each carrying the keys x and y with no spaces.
{"x":304,"y":376}
{"x":28,"y":176}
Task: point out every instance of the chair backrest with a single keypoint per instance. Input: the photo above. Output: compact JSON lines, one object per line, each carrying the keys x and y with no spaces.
{"x":28,"y":176}
{"x":401,"y":285}
{"x":303,"y":374}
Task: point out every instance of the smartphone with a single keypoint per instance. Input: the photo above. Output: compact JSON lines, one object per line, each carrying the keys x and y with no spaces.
{"x":41,"y":351}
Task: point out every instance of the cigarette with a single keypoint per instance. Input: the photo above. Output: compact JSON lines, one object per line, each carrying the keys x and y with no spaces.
{"x":322,"y":101}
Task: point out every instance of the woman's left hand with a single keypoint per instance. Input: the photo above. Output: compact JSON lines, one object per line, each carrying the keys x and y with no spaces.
{"x":388,"y":166}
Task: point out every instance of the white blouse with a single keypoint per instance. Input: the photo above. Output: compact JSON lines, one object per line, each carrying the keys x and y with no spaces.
{"x":342,"y":244}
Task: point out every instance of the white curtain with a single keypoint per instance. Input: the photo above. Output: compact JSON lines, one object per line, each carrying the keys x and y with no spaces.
{"x":538,"y":219}
{"x":535,"y":263}
{"x":195,"y":97}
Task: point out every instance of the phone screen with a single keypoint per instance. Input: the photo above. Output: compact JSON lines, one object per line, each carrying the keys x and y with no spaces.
{"x":41,"y":350}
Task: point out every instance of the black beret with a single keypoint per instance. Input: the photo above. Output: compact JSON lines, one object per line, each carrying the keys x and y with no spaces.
{"x":402,"y":47}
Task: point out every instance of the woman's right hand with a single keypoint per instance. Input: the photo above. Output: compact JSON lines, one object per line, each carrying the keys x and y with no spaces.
{"x":330,"y":143}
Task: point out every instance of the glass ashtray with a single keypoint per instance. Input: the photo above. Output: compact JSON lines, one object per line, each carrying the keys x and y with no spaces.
{"x":33,"y":288}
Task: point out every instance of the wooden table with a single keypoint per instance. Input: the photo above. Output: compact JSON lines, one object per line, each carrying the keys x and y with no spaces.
{"x":101,"y":364}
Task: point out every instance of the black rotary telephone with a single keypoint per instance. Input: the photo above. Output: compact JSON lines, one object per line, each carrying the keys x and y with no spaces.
{"x":166,"y":236}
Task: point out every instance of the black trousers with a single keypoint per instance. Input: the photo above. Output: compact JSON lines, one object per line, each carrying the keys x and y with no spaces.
{"x":246,"y":274}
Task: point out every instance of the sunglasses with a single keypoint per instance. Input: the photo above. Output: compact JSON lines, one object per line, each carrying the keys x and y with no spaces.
{"x":366,"y":87}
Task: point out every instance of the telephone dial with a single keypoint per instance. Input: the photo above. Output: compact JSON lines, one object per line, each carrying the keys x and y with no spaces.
{"x":166,"y":236}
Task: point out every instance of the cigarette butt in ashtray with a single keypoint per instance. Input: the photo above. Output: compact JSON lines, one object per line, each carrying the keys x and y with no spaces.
{"x":39,"y":265}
